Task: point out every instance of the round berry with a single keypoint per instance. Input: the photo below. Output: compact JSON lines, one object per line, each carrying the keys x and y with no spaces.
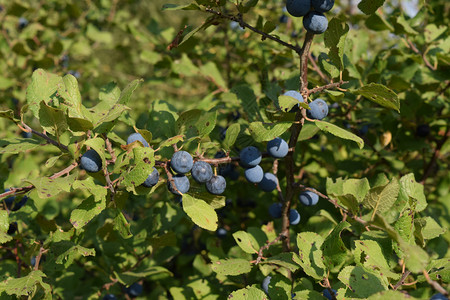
{"x":298,"y":8}
{"x":250,"y":157}
{"x":315,"y":22}
{"x":319,"y":109}
{"x":326,"y":293}
{"x":265,"y":284}
{"x":91,"y":161}
{"x":152,"y":179}
{"x":221,"y":233}
{"x":275,"y":210}
{"x":135,"y":289}
{"x":201,"y":171}
{"x":423,"y":130}
{"x":181,"y":162}
{"x":268,"y":183}
{"x":294,"y":217}
{"x":277,"y":148}
{"x":295,"y":94}
{"x":308,"y":198}
{"x":181,"y":183}
{"x":216,"y":185}
{"x":438,"y":296}
{"x":109,"y":297}
{"x":136,"y":137}
{"x":255,"y":174}
{"x":322,"y":5}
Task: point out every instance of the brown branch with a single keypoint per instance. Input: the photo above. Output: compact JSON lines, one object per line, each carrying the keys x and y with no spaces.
{"x":434,"y":284}
{"x":417,"y":51}
{"x":110,"y":150}
{"x":243,"y":24}
{"x":45,"y":137}
{"x":326,"y":87}
{"x":266,"y":246}
{"x":401,"y":281}
{"x":317,"y":69}
{"x":170,"y":178}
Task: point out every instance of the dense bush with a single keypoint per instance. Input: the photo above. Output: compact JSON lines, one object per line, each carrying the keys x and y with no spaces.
{"x":107,"y":107}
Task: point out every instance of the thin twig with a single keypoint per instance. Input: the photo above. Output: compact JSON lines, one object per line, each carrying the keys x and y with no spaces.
{"x":266,"y":246}
{"x":417,"y":51}
{"x":44,"y":136}
{"x":326,"y":87}
{"x":437,"y":152}
{"x":434,"y":284}
{"x":401,"y":281}
{"x":317,"y":69}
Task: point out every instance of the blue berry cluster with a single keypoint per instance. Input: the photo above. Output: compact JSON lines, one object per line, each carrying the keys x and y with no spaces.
{"x":319,"y":108}
{"x":312,"y":12}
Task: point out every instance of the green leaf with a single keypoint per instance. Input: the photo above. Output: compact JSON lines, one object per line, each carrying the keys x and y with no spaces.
{"x":339,"y":132}
{"x":144,"y":162}
{"x":390,"y":295}
{"x":246,"y":242}
{"x":362,"y":281}
{"x":370,"y":6}
{"x":231,"y":136}
{"x":66,"y":251}
{"x":380,"y":94}
{"x":310,"y":256}
{"x":86,"y":211}
{"x":9,"y":114}
{"x":248,"y":101}
{"x":121,"y":225}
{"x":210,"y":71}
{"x":71,"y":95}
{"x":171,"y":141}
{"x":414,"y":190}
{"x":47,"y":187}
{"x":286,"y":103}
{"x":26,"y":285}
{"x":427,"y":228}
{"x":17,"y":145}
{"x":4,"y":226}
{"x":43,"y":87}
{"x":98,"y":144}
{"x":334,"y":38}
{"x":333,"y":248}
{"x":200,"y":212}
{"x":308,"y":131}
{"x":52,"y":119}
{"x":285,"y":260}
{"x":79,"y":124}
{"x":269,"y":26}
{"x":432,"y":32}
{"x":143,"y":271}
{"x":127,"y":92}
{"x":248,"y":293}
{"x":191,"y":6}
{"x":370,"y":255}
{"x":234,"y":267}
{"x":381,"y":198}
{"x":328,"y":66}
{"x":263,"y":132}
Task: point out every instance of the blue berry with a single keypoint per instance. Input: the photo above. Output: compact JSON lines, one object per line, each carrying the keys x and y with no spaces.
{"x":91,"y":161}
{"x":298,"y":8}
{"x":26,"y":134}
{"x":438,"y":297}
{"x":326,"y":293}
{"x":315,"y":22}
{"x":322,"y":5}
{"x":250,"y":157}
{"x":136,"y":137}
{"x":201,"y":171}
{"x":181,"y":183}
{"x":255,"y":174}
{"x":12,"y":228}
{"x":423,"y":130}
{"x":216,"y":185}
{"x":109,"y":297}
{"x":152,"y":179}
{"x":9,"y":201}
{"x":21,"y":203}
{"x":221,"y":233}
{"x":135,"y":289}
{"x":294,"y":217}
{"x":181,"y":162}
{"x":23,"y":22}
{"x":308,"y":198}
{"x":33,"y":261}
{"x":265,"y":284}
{"x":275,"y":210}
{"x":268,"y":183}
{"x":277,"y":148}
{"x":319,"y":109}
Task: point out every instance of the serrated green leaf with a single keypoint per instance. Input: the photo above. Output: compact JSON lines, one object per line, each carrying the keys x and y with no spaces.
{"x":427,"y":228}
{"x":414,"y":190}
{"x":248,"y":293}
{"x":263,"y":132}
{"x":269,"y":26}
{"x":171,"y":141}
{"x":381,"y":198}
{"x":370,"y":255}
{"x":210,"y":71}
{"x":231,"y":136}
{"x":79,"y":125}
{"x":86,"y":211}
{"x":8,"y":114}
{"x":334,"y":38}
{"x":370,"y":6}
{"x":286,"y":103}
{"x":143,"y":271}
{"x":17,"y":145}
{"x":333,"y":248}
{"x":127,"y":92}
{"x":43,"y":87}
{"x":66,"y":251}
{"x":200,"y":212}
{"x":246,"y":242}
{"x":71,"y":96}
{"x":327,"y":65}
{"x":144,"y":161}
{"x":380,"y":94}
{"x":233,"y":267}
{"x":285,"y":260}
{"x":308,"y":131}
{"x":390,"y":295}
{"x":4,"y":226}
{"x":432,"y":32}
{"x":25,"y":286}
{"x":47,"y":187}
{"x":361,"y":281}
{"x":310,"y":256}
{"x":308,"y":294}
{"x":248,"y":101}
{"x":121,"y":225}
{"x":339,"y":132}
{"x":52,"y":119}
